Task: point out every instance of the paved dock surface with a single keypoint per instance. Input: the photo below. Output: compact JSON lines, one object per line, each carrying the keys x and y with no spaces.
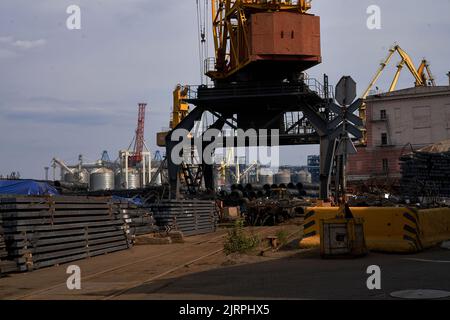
{"x":198,"y":269}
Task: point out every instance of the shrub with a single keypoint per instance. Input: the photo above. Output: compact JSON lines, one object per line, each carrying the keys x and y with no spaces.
{"x":282,"y":237}
{"x":238,"y":241}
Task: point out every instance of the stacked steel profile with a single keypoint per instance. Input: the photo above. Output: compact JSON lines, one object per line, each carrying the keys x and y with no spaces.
{"x":5,"y":266}
{"x":140,"y":221}
{"x":3,"y":252}
{"x":45,"y":231}
{"x":37,"y":232}
{"x":426,"y":174}
{"x":192,"y":217}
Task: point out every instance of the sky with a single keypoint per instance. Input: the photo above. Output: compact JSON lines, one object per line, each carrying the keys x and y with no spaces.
{"x":69,"y":92}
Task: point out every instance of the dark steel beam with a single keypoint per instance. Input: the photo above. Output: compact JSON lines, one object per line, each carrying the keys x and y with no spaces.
{"x":172,"y":168}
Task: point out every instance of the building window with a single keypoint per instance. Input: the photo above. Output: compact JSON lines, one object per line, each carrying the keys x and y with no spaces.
{"x":383,"y":115}
{"x":385,"y":165}
{"x":384,"y":139}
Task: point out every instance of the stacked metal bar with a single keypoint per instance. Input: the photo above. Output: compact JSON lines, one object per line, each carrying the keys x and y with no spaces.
{"x":5,"y":266}
{"x":140,"y":221}
{"x":425,"y":175}
{"x":45,"y":231}
{"x":3,"y":252}
{"x":192,"y":217}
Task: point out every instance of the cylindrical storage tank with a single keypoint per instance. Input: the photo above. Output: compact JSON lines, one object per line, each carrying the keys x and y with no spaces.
{"x":308,"y":177}
{"x":302,"y":177}
{"x":69,"y":177}
{"x":134,"y":180}
{"x":83,"y":176}
{"x":102,"y":179}
{"x":283,"y":177}
{"x":118,"y":180}
{"x":266,"y":179}
{"x":77,"y":177}
{"x":298,"y":177}
{"x":305,"y":177}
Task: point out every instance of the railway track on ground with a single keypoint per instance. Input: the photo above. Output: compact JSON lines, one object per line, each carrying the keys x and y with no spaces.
{"x":120,"y":267}
{"x":204,"y":248}
{"x":149,"y":280}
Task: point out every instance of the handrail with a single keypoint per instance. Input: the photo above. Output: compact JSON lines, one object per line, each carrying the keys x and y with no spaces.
{"x":252,"y":88}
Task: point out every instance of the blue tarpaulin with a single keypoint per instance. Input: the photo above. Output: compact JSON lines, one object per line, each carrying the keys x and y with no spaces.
{"x":136,"y":200}
{"x":26,"y":187}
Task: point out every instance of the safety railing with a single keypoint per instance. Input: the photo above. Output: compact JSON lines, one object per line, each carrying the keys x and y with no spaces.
{"x":308,"y":85}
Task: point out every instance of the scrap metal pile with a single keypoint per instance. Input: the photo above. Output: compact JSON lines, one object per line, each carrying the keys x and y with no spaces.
{"x":275,"y":210}
{"x":269,"y":204}
{"x":426,"y":174}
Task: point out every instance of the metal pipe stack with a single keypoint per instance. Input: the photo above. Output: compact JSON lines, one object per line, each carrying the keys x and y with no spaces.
{"x":140,"y":221}
{"x":425,"y":174}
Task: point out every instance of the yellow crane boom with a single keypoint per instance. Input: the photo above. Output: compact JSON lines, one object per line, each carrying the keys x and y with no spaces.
{"x":422,"y":76}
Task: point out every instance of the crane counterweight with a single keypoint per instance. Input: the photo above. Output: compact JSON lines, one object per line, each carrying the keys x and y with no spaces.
{"x":259,"y":40}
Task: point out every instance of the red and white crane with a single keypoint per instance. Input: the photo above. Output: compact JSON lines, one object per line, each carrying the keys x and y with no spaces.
{"x":136,"y":156}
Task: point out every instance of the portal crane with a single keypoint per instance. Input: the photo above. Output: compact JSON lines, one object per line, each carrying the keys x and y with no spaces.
{"x":136,"y":156}
{"x":422,"y":76}
{"x":262,"y":48}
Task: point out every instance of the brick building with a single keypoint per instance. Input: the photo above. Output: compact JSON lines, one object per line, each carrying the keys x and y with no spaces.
{"x":396,"y":121}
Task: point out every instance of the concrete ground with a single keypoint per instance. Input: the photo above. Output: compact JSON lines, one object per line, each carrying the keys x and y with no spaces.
{"x":198,"y":269}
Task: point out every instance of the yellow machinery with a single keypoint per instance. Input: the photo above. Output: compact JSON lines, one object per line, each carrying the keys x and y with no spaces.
{"x":387,"y":229}
{"x":179,"y":112}
{"x":422,"y":76}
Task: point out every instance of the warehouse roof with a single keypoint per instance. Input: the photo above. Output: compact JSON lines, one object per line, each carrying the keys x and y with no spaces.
{"x":415,"y":91}
{"x":440,"y":147}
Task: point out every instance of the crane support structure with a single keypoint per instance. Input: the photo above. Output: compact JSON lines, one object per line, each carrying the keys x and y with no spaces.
{"x":180,"y":110}
{"x":262,"y":50}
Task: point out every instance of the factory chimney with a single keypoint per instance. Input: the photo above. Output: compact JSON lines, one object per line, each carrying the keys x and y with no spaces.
{"x":448,"y":75}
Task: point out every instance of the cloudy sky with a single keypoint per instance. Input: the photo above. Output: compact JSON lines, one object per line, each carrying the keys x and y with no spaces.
{"x":65,"y":92}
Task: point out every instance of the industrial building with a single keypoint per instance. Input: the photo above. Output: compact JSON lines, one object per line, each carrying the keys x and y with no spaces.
{"x":398,"y":122}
